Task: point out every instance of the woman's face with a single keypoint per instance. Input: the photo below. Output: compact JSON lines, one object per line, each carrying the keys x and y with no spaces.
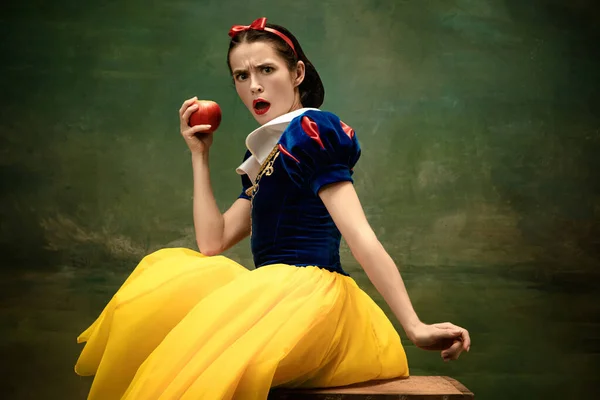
{"x":263,"y":81}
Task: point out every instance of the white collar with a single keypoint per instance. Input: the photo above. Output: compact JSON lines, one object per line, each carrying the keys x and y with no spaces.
{"x":262,"y":140}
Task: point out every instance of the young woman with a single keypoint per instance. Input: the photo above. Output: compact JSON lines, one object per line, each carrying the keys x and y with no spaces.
{"x":189,"y":325}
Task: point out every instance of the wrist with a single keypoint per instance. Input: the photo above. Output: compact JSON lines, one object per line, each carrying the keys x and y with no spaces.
{"x":200,"y":157}
{"x":411,"y":326}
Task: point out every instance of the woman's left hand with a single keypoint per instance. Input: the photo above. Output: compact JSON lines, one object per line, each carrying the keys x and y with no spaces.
{"x":449,"y":338}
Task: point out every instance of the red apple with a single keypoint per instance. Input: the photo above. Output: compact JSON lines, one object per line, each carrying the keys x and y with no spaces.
{"x":208,"y":113}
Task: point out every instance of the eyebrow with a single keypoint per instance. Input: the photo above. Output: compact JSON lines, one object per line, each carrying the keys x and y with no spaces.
{"x":264,"y":64}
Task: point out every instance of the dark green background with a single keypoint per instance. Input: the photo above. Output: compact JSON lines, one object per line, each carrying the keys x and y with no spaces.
{"x":480,"y":132}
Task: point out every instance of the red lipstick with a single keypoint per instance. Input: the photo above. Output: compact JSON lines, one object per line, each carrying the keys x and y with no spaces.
{"x":260,"y":106}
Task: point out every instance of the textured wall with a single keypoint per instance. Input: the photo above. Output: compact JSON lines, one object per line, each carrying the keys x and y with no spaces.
{"x":476,"y":117}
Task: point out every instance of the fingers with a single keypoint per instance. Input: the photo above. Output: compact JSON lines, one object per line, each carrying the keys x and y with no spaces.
{"x":186,"y":104}
{"x":196,"y":129}
{"x":466,"y":339}
{"x":453,"y":352}
{"x":447,"y":333}
{"x":185,"y":118}
{"x":452,"y":330}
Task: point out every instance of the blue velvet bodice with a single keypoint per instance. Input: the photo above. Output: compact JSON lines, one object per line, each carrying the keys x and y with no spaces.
{"x":290,"y":223}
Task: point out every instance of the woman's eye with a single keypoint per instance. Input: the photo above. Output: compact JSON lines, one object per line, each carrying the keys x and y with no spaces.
{"x":240,"y":77}
{"x":268,"y":70}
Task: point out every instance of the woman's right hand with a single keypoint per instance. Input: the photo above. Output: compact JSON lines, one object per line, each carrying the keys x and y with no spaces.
{"x":197,"y":141}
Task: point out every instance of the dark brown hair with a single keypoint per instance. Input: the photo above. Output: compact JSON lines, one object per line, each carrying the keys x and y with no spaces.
{"x":312,"y":92}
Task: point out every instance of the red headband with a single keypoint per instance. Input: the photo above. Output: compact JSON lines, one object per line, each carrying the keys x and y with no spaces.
{"x":259,"y":25}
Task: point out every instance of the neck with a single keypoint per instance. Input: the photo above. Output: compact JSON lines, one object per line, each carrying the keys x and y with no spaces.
{"x":296,"y":105}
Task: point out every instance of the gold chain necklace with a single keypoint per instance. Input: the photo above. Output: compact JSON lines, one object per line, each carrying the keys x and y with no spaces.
{"x":265,"y":169}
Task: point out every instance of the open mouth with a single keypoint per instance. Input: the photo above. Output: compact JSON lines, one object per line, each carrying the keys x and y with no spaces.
{"x":261,"y":106}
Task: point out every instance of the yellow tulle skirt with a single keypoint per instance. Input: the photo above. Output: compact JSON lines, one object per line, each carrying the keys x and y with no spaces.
{"x":188,"y":326}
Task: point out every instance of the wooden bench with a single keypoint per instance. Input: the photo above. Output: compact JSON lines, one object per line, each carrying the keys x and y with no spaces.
{"x":412,"y":388}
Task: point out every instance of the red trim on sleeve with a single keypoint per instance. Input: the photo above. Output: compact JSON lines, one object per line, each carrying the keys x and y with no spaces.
{"x":312,"y":130}
{"x":349,"y":131}
{"x":287,"y":153}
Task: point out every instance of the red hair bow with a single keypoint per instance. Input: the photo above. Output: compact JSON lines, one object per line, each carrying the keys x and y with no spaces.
{"x":259,"y":25}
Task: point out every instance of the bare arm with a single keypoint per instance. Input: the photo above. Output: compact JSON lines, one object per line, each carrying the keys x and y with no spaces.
{"x":216,"y":232}
{"x":345,"y":209}
{"x":344,"y":206}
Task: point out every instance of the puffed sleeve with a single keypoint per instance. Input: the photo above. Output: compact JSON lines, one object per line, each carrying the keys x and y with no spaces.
{"x":246,"y":183}
{"x":317,"y":149}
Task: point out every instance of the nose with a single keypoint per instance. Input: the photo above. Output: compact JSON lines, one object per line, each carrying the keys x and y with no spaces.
{"x":255,"y":85}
